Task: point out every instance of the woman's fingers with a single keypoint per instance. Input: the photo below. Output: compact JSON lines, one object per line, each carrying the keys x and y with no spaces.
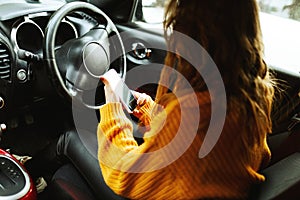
{"x":104,"y":80}
{"x":142,"y":98}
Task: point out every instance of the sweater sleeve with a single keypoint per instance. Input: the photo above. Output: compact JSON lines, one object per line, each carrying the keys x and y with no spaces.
{"x":116,"y":127}
{"x":125,"y":168}
{"x":146,"y":112}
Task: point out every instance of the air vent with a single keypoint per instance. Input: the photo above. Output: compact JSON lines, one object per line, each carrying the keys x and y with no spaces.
{"x":5,"y":62}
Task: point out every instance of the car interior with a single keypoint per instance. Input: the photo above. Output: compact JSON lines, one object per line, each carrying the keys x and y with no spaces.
{"x":50,"y":66}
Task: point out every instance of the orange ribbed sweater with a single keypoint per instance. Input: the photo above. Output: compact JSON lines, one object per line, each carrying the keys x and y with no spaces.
{"x":227,"y":171}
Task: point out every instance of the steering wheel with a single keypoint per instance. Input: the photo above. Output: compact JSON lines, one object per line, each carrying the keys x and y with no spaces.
{"x":76,"y":66}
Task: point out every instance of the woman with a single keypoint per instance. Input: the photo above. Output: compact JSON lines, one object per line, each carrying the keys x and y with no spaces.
{"x":229,"y":30}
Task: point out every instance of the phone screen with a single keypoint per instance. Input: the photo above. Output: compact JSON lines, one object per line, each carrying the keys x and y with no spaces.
{"x":121,"y":90}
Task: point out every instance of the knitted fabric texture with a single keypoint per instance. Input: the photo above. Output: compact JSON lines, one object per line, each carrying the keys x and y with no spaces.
{"x":228,"y":171}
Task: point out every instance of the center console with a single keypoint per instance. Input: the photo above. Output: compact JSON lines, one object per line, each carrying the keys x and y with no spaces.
{"x":15,"y":182}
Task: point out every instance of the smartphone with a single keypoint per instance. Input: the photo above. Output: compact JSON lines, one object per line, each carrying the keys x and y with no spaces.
{"x":121,"y":90}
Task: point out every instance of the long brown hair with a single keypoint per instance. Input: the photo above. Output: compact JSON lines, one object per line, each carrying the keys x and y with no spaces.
{"x":229,"y":30}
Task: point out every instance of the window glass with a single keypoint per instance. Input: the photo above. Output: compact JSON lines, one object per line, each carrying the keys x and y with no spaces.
{"x":153,"y":10}
{"x":283,"y":8}
{"x":280,"y":22}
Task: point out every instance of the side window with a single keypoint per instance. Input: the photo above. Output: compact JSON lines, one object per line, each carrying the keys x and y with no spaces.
{"x":282,"y":8}
{"x":150,"y":11}
{"x":280,"y":24}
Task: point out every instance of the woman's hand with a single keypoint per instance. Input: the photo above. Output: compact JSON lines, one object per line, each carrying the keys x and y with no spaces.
{"x":110,"y":96}
{"x":142,"y":99}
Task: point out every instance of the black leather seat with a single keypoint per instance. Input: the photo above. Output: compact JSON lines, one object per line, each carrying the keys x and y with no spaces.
{"x":282,"y":180}
{"x":283,"y":173}
{"x":84,"y":161}
{"x":67,"y":184}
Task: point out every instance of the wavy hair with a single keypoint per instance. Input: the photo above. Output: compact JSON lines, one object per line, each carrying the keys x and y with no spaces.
{"x":229,"y":30}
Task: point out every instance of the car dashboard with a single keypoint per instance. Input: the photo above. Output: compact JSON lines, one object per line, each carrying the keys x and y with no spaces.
{"x":24,"y":81}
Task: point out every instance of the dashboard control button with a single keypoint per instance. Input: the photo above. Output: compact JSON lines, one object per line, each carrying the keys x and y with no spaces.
{"x":22,"y":75}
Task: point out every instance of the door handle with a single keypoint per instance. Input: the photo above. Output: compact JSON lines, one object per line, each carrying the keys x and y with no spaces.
{"x":140,"y":51}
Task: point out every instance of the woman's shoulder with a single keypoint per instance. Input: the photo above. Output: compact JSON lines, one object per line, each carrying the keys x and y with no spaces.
{"x":186,"y":99}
